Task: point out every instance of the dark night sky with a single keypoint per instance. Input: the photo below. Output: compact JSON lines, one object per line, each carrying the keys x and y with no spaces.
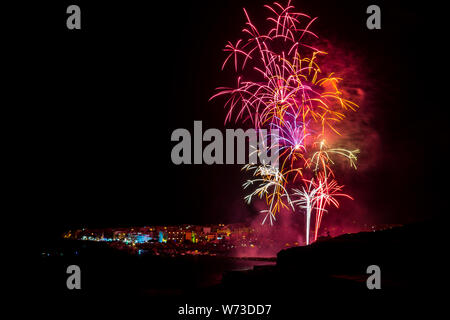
{"x":103,"y":102}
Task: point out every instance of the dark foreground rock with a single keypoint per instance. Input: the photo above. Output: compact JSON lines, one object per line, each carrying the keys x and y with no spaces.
{"x":334,"y":271}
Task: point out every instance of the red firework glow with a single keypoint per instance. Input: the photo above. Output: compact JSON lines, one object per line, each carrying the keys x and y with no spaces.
{"x":280,"y":86}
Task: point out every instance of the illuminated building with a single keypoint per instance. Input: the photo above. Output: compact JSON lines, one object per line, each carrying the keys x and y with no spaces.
{"x":162,"y":238}
{"x":224,"y":231}
{"x":190,"y":235}
{"x":142,"y":238}
{"x":206,"y":230}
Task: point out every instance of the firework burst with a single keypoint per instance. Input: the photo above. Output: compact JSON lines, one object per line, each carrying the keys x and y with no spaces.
{"x":280,"y":85}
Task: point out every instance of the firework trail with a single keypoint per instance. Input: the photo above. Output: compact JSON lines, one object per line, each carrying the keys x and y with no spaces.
{"x":327,"y":190}
{"x":280,"y":85}
{"x":271,"y":184}
{"x":306,"y":200}
{"x":321,"y":159}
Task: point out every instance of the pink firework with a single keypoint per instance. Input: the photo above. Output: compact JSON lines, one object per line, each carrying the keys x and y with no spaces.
{"x":280,"y":85}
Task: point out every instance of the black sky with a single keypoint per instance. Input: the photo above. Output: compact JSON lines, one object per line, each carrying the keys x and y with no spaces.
{"x":102,"y":103}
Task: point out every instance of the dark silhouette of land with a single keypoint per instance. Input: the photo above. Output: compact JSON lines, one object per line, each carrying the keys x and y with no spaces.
{"x":331,"y":272}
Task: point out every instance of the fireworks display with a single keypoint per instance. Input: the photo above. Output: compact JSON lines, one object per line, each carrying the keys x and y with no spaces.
{"x":280,"y":86}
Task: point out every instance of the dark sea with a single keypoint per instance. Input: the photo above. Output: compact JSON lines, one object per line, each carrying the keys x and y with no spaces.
{"x":110,"y":272}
